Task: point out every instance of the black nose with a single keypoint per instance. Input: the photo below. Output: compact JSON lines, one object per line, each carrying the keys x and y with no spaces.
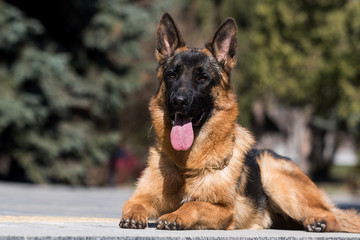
{"x":179,"y":102}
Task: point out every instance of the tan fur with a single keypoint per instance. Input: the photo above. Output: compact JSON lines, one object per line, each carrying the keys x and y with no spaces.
{"x":294,"y":193}
{"x":205,"y":186}
{"x":349,"y":220}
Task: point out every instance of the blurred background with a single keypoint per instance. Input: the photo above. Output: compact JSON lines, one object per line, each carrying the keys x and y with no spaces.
{"x":76,"y":77}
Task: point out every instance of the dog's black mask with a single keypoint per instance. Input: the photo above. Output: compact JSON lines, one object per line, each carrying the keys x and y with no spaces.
{"x":189,"y":78}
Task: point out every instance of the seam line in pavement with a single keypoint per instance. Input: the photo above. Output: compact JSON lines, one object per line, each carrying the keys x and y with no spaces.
{"x":35,"y":219}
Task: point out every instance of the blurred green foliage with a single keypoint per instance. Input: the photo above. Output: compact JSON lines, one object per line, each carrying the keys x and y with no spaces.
{"x":68,"y":70}
{"x":303,"y":53}
{"x":307,"y":53}
{"x":62,"y":89}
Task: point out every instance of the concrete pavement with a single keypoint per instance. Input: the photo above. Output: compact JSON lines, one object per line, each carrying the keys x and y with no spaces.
{"x":60,"y":212}
{"x":49,"y":200}
{"x":89,"y":231}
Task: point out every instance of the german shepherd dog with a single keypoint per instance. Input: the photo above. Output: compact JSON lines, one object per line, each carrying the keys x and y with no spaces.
{"x":203,"y":172}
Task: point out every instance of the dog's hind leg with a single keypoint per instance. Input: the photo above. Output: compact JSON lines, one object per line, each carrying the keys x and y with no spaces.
{"x":294,"y":195}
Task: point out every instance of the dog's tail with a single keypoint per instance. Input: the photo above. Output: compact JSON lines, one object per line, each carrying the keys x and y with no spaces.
{"x":349,"y":220}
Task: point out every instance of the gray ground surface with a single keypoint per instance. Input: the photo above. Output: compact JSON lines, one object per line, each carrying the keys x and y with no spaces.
{"x":108,"y":231}
{"x":30,"y":200}
{"x":60,"y":201}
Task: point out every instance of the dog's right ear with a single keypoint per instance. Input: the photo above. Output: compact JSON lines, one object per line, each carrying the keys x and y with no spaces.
{"x":168,"y":38}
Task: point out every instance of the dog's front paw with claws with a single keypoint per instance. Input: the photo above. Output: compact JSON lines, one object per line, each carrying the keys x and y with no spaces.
{"x":134,"y":218}
{"x":135,"y":221}
{"x":172,"y":221}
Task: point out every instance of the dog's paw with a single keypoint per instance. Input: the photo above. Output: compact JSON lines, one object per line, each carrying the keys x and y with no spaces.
{"x":316,"y":226}
{"x":135,"y":220}
{"x":322,"y":224}
{"x":171,"y":221}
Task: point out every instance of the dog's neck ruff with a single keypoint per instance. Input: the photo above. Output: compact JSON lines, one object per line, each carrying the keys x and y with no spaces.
{"x":193,"y":172}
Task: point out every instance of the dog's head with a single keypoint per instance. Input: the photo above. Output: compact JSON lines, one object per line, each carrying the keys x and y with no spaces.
{"x":193,"y":79}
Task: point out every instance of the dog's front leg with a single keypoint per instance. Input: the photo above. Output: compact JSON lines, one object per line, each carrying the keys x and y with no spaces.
{"x":137,"y":210}
{"x":197,"y":215}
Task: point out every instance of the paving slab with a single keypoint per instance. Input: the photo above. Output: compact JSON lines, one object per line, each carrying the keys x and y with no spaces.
{"x":30,"y":212}
{"x":50,"y":200}
{"x":111,"y":231}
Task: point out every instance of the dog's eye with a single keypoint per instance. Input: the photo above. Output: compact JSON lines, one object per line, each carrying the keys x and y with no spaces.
{"x":202,"y":79}
{"x":172,"y":75}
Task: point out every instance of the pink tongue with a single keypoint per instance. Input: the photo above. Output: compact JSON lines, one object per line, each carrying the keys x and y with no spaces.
{"x":182,"y":134}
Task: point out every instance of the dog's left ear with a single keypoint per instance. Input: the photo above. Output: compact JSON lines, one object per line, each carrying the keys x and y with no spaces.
{"x":223,"y":44}
{"x":168,"y":38}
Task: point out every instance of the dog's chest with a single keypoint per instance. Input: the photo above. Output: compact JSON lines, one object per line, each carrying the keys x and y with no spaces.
{"x":213,"y":186}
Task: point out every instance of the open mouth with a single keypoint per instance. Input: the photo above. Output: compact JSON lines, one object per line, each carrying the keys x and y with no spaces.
{"x":195,"y":120}
{"x":182,"y":132}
